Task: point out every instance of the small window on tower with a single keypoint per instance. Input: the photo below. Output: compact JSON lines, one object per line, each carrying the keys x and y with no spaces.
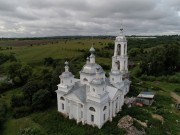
{"x":92,"y":118}
{"x":112,"y":79}
{"x":71,"y":81}
{"x":62,"y":106}
{"x":94,"y":90}
{"x":62,"y":81}
{"x":104,"y":108}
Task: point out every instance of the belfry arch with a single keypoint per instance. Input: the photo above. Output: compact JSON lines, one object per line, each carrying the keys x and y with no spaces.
{"x":119,"y":49}
{"x":118,"y":65}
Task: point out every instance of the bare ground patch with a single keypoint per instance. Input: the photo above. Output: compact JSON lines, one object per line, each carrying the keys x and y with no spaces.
{"x":175,"y":96}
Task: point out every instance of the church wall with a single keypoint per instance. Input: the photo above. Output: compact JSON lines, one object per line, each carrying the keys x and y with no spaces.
{"x":115,"y":78}
{"x":94,"y":113}
{"x":104,"y":114}
{"x":74,"y":110}
{"x":58,"y":102}
{"x":88,"y":77}
{"x":67,"y":81}
{"x":61,"y":104}
{"x":121,"y":100}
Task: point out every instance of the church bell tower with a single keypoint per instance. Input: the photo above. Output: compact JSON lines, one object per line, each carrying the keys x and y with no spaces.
{"x":120,"y":58}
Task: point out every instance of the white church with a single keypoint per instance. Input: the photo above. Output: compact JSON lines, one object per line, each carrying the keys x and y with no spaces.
{"x":94,"y":99}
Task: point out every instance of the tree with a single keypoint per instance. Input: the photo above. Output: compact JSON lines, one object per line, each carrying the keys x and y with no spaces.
{"x":3,"y":58}
{"x":160,"y":60}
{"x":17,"y":101}
{"x":134,"y":52}
{"x":29,"y":89}
{"x":48,"y":61}
{"x":3,"y":110}
{"x":19,"y":73}
{"x":41,"y":99}
{"x":172,"y":57}
{"x":55,"y":79}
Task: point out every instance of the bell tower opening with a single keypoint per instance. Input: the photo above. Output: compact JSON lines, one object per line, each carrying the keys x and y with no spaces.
{"x":119,"y":49}
{"x":118,"y":65}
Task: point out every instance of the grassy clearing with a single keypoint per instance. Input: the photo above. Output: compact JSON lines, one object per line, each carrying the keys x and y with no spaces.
{"x":62,"y":49}
{"x":17,"y":125}
{"x":166,"y":87}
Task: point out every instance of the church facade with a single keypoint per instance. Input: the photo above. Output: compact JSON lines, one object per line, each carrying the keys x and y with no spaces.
{"x":94,"y":99}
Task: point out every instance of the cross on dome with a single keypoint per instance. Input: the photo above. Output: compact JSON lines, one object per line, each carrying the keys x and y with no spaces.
{"x":121,"y":31}
{"x":66,"y":66}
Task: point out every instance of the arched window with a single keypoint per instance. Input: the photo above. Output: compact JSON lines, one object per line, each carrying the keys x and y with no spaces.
{"x":118,"y":49}
{"x":118,"y":64}
{"x":62,"y":106}
{"x":92,"y":109}
{"x":125,"y":49}
{"x":62,"y":81}
{"x":62,"y":98}
{"x":93,"y":89}
{"x":85,"y":80}
{"x":112,"y":79}
{"x":105,"y":107}
{"x":71,"y":81}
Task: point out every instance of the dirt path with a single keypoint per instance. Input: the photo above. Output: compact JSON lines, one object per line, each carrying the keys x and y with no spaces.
{"x":175,"y":96}
{"x":159,"y":117}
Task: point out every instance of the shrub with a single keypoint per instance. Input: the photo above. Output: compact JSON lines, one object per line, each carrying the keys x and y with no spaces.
{"x":31,"y":131}
{"x":174,"y":79}
{"x":5,"y":85}
{"x":177,"y":90}
{"x":17,"y":101}
{"x":137,"y":113}
{"x":3,"y":110}
{"x":41,"y":99}
{"x":156,"y":88}
{"x":144,"y":77}
{"x":21,"y":111}
{"x":137,"y":72}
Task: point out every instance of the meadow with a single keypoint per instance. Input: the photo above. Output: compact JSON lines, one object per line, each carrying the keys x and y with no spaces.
{"x":33,"y":51}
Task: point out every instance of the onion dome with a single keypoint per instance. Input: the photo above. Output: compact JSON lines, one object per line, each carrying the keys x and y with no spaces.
{"x":66,"y":74}
{"x":90,"y":68}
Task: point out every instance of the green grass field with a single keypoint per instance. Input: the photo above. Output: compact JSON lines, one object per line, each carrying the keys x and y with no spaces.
{"x":61,"y":50}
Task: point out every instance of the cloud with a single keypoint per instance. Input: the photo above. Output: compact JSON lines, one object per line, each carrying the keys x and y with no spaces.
{"x":19,"y":18}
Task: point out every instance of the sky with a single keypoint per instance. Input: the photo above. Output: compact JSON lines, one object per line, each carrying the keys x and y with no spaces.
{"x":39,"y":18}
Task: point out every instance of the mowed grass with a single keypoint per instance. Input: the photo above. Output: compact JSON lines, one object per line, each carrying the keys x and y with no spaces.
{"x":59,"y":50}
{"x":165,"y":86}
